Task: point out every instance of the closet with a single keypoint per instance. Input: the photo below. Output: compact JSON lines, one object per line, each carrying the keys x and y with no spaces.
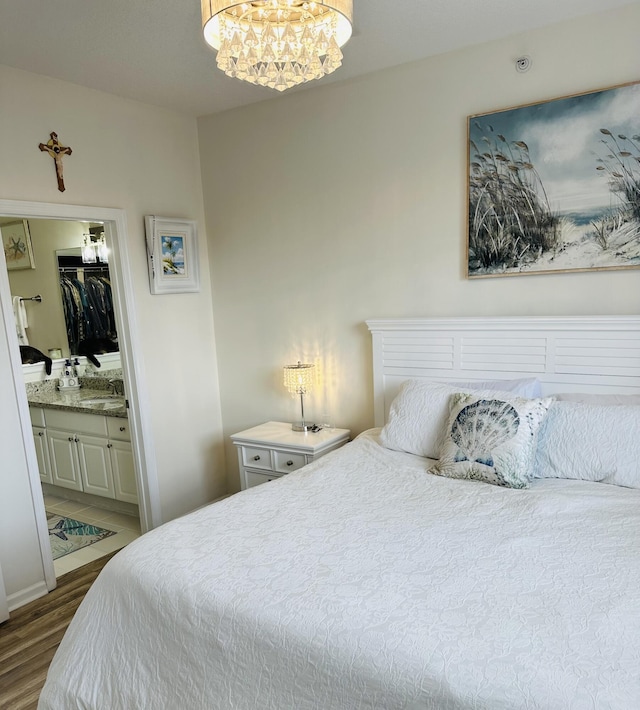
{"x":87,"y":300}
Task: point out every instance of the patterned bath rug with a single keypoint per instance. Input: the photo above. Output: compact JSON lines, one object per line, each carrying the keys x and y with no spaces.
{"x":68,"y":535}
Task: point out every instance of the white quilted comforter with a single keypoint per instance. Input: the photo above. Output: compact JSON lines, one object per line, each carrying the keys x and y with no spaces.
{"x":363,"y":582}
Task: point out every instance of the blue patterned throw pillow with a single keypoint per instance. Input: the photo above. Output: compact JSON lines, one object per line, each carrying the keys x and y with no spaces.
{"x":491,"y":440}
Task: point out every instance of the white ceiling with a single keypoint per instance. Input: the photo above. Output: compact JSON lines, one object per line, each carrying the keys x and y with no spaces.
{"x":153,"y":51}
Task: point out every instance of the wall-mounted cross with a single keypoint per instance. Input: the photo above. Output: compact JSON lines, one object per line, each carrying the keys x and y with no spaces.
{"x":56,"y":151}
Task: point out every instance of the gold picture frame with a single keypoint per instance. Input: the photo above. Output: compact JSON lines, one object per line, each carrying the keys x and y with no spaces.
{"x":554,"y":186}
{"x":16,"y":242}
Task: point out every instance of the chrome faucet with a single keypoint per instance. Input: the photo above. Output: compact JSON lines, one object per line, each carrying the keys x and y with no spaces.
{"x":115,"y":386}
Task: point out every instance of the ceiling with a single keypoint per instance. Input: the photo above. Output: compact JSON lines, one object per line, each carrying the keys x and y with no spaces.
{"x":153,"y":51}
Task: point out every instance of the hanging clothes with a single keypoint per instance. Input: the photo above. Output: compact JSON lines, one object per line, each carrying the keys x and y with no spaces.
{"x":88,"y":308}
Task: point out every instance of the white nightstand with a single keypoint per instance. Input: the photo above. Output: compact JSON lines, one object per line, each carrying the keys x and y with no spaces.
{"x":273,"y":449}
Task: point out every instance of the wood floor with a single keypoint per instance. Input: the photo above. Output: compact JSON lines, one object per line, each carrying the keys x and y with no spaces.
{"x":30,"y":637}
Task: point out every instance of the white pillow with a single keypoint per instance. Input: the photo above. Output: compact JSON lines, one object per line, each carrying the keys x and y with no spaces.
{"x":590,"y":398}
{"x":419,"y":413}
{"x":529,"y":387}
{"x":492,"y":440}
{"x":590,"y":442}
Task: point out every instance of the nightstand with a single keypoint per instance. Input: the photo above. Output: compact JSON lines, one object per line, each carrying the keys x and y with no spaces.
{"x":273,"y":449}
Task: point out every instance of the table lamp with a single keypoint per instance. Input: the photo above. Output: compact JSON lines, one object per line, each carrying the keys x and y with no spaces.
{"x":298,"y":379}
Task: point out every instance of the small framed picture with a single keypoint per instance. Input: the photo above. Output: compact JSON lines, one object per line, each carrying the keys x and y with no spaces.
{"x":16,"y":242}
{"x":172,"y":251}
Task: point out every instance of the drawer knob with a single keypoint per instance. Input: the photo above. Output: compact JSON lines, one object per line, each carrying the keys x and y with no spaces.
{"x":256,"y":458}
{"x":289,"y":463}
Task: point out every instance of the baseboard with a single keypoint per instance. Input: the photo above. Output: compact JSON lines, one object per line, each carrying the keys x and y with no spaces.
{"x":24,"y":596}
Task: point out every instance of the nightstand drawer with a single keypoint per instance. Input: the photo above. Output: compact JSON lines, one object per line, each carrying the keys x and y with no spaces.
{"x":256,"y":457}
{"x":253,"y":478}
{"x":287,"y":462}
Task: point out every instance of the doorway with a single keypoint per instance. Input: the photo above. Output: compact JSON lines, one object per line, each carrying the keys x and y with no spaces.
{"x":114,"y":225}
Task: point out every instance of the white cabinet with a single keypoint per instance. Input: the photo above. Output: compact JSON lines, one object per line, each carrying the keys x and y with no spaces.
{"x":42,"y":453}
{"x":63,"y":455}
{"x":85,"y":452}
{"x":121,"y":453}
{"x":40,"y":443}
{"x":273,"y":449}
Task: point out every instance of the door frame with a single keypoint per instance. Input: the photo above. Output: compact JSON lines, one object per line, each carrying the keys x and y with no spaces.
{"x":139,"y":421}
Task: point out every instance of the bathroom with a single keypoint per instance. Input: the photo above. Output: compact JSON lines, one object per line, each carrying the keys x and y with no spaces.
{"x":63,"y":307}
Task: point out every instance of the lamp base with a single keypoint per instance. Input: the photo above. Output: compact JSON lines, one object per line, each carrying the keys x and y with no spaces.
{"x":302,"y":426}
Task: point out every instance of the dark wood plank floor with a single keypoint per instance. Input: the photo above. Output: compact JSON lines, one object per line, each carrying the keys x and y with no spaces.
{"x":30,"y":637}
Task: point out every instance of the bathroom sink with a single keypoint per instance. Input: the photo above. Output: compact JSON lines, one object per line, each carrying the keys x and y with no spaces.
{"x":113,"y":400}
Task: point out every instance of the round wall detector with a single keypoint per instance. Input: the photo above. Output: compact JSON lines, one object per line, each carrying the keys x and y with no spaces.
{"x":523,"y":63}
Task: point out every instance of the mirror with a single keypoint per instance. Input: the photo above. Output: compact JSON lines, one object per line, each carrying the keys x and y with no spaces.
{"x":66,"y":313}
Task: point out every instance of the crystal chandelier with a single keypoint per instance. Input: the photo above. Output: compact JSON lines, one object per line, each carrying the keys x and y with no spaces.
{"x":277,"y":43}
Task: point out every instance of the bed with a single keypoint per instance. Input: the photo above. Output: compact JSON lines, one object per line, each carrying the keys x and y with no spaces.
{"x":364,"y":581}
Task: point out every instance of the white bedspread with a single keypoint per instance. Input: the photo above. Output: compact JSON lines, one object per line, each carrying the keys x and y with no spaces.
{"x":363,"y":582}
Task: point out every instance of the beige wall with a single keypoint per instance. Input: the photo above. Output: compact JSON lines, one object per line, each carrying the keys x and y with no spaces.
{"x":47,"y":327}
{"x":328,"y":207}
{"x":143,"y":160}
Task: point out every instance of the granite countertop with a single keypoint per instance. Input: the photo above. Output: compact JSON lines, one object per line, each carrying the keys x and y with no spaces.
{"x":48,"y":396}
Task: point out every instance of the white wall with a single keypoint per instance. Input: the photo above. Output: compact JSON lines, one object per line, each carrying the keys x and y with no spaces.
{"x":347,"y":202}
{"x":144,"y":160}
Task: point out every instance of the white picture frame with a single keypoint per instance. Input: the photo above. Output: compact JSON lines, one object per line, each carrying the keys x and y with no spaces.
{"x":172,"y":255}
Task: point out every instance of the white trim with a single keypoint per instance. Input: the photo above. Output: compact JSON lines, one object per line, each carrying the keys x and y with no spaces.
{"x":596,"y":354}
{"x":122,"y":283}
{"x":36,"y":372}
{"x":4,"y":606}
{"x":29,"y":594}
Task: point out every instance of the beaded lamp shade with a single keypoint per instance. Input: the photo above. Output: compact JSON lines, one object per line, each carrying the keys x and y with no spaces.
{"x":299,"y":379}
{"x":277,"y":43}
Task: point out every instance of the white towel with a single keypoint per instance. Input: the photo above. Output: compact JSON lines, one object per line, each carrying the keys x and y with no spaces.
{"x":20,"y":313}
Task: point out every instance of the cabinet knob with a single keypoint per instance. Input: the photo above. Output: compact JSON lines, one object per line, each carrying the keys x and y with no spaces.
{"x":40,"y":433}
{"x":122,"y":428}
{"x":256,"y":458}
{"x":109,"y":446}
{"x":76,"y":439}
{"x":70,"y":438}
{"x":289,"y":463}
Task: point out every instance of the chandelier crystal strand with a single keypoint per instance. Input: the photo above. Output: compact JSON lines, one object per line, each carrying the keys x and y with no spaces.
{"x":277,"y":43}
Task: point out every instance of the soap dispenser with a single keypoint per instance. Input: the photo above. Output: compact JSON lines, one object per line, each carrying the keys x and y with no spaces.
{"x":69,"y":379}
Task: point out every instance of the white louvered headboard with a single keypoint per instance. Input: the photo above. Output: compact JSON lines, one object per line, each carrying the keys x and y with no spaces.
{"x":599,"y":354}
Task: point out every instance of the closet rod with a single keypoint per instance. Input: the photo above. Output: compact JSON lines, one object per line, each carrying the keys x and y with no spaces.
{"x":37,"y":298}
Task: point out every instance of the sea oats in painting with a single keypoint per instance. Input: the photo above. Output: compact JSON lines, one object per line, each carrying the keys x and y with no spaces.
{"x":555,"y":186}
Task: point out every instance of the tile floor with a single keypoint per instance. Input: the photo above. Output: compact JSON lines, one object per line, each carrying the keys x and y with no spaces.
{"x":127,"y":529}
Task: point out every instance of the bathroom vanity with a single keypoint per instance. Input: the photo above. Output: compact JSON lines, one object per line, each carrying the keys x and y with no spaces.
{"x":83,"y":442}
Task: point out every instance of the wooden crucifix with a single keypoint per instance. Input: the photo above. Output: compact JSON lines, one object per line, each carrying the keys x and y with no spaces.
{"x":56,"y":151}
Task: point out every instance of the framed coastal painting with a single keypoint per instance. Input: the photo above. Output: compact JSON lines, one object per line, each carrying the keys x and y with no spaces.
{"x":555,"y":186}
{"x":172,"y":255}
{"x":16,"y":242}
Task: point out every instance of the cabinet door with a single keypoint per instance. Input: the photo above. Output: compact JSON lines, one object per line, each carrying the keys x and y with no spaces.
{"x":95,"y":466}
{"x":124,"y":473}
{"x":63,"y":457}
{"x":42,"y":453}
